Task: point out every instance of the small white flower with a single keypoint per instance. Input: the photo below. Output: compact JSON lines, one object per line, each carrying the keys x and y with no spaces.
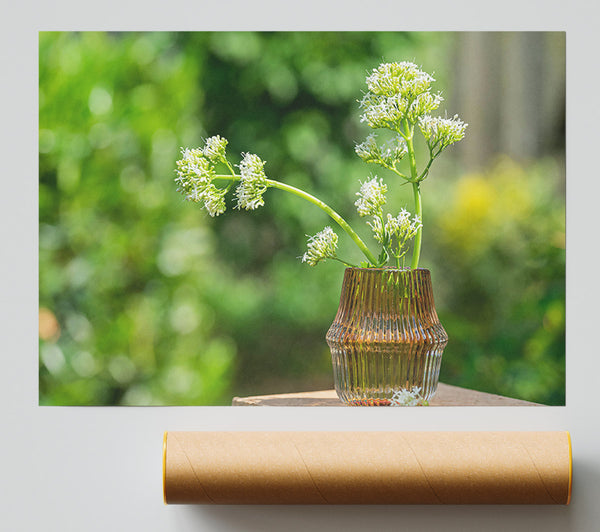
{"x":388,"y":154}
{"x":403,"y":78}
{"x":411,"y":397}
{"x":383,"y":111}
{"x":371,"y":197}
{"x":397,"y":91}
{"x":378,"y":229}
{"x":214,"y":200}
{"x":415,"y":81}
{"x":194,"y":178}
{"x":424,"y":103}
{"x":393,"y":150}
{"x":252,"y":167}
{"x":402,"y":229}
{"x":368,"y":150}
{"x":401,"y":225}
{"x":394,"y":225}
{"x":195,"y":195}
{"x":384,"y":79}
{"x":214,"y":148}
{"x":442,"y":131}
{"x":194,"y":173}
{"x":321,"y":246}
{"x":396,"y":232}
{"x":252,"y":183}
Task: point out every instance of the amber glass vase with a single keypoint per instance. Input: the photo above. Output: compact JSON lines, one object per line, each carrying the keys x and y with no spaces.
{"x":386,"y":339}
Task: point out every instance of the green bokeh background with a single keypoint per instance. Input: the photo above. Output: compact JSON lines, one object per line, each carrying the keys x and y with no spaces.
{"x":145,"y":300}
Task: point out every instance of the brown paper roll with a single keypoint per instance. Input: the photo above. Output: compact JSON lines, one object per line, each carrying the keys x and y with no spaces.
{"x":367,"y":467}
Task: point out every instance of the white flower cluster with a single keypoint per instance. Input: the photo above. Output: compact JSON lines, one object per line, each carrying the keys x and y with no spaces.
{"x":321,"y":246}
{"x":383,"y":111}
{"x":214,"y":200}
{"x":371,"y":197}
{"x":402,"y":225}
{"x":398,"y":91}
{"x":195,"y":174}
{"x":192,"y":171}
{"x":214,"y":148}
{"x":387,"y":155}
{"x":368,"y":150}
{"x":409,"y":398}
{"x":396,"y":231}
{"x":441,"y":132}
{"x":403,"y":78}
{"x":252,"y":184}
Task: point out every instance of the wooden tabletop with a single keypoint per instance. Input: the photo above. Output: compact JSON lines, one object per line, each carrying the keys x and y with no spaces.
{"x":446,"y":395}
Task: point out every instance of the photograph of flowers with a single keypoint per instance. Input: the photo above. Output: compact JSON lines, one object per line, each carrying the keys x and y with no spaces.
{"x":302,"y":218}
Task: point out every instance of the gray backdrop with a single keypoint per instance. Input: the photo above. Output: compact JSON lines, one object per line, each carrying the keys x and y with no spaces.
{"x":88,"y":469}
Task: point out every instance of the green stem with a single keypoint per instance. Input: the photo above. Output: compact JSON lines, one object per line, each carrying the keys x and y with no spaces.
{"x":426,"y":170}
{"x":344,"y":262}
{"x":416,"y":193}
{"x":419,"y":213}
{"x":412,"y":161}
{"x":395,"y":170}
{"x":230,"y":168}
{"x":323,"y":206}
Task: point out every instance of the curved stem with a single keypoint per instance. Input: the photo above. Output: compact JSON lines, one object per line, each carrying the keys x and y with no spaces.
{"x":426,"y":170}
{"x":323,"y":206}
{"x":344,"y":262}
{"x":395,"y":170}
{"x":334,"y":215}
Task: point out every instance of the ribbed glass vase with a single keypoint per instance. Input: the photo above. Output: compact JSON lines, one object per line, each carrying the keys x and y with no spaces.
{"x":386,"y":340}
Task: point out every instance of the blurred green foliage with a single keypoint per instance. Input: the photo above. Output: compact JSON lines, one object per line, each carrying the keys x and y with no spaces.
{"x":146,"y":300}
{"x":499,"y":241}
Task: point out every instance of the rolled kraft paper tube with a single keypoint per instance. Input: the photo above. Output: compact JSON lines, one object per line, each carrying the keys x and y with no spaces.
{"x":367,"y":467}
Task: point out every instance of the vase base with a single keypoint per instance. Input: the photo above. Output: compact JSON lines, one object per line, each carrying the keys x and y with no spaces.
{"x":400,"y":397}
{"x":369,"y":402}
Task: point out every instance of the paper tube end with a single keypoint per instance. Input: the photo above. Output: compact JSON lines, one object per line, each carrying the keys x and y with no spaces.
{"x":570,"y":467}
{"x":164,"y":467}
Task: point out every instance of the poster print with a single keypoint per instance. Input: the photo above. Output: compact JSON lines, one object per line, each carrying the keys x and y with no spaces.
{"x":147,"y":299}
